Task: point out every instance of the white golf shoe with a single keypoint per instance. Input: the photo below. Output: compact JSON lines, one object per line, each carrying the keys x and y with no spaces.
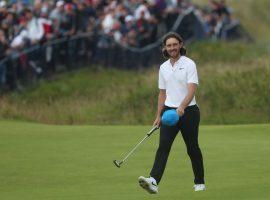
{"x":149,"y":184}
{"x":199,"y":187}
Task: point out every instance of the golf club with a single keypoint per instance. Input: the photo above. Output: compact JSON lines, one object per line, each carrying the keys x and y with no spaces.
{"x":118,"y":163}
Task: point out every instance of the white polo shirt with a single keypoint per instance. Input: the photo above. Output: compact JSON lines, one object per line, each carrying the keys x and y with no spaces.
{"x":175,"y":79}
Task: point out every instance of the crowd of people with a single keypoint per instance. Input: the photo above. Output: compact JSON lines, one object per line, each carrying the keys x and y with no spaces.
{"x":135,"y":23}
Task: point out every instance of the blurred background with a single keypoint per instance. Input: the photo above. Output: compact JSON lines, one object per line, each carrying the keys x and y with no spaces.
{"x":97,"y":61}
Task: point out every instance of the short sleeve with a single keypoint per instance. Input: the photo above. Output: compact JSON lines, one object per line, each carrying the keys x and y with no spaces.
{"x":192,"y":76}
{"x":161,"y":81}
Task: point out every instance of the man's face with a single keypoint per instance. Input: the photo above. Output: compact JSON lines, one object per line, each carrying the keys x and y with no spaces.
{"x":173,"y":47}
{"x":28,"y":15}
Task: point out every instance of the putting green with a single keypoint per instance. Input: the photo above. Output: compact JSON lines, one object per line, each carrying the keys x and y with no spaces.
{"x":75,"y":162}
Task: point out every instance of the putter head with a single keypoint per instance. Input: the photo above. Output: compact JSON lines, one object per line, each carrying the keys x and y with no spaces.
{"x":117,"y":163}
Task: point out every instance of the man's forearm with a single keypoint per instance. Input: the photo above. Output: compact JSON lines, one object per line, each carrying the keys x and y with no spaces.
{"x":188,"y":98}
{"x":161,"y":102}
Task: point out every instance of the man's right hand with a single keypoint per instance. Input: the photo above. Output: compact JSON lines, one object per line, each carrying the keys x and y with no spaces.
{"x":157,"y":121}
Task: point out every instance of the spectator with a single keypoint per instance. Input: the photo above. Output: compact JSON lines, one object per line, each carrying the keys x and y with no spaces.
{"x":21,"y":38}
{"x":142,"y":8}
{"x":108,"y":21}
{"x":143,"y":29}
{"x":3,"y":52}
{"x":82,"y":17}
{"x":68,"y":22}
{"x":130,"y":32}
{"x":34,"y":28}
{"x":57,"y":16}
{"x":220,"y":7}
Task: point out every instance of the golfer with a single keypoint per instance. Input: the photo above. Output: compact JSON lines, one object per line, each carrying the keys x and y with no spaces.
{"x":178,"y":81}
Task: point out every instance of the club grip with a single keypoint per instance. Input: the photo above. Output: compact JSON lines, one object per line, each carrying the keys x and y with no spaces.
{"x":152,"y":130}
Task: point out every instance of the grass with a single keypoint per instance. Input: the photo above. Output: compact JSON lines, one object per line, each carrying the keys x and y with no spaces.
{"x":229,"y":93}
{"x":49,"y":162}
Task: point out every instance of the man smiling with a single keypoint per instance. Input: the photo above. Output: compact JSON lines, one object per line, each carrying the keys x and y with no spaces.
{"x":178,"y":81}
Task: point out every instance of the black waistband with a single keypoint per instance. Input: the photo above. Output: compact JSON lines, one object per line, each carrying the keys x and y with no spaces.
{"x":187,"y":108}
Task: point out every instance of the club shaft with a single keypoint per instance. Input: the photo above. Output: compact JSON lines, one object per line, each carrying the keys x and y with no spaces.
{"x":134,"y":148}
{"x":148,"y":135}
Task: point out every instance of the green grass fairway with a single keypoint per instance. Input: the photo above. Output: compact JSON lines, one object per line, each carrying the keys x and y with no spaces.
{"x":44,"y":162}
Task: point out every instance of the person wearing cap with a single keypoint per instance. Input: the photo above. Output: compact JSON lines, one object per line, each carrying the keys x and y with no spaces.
{"x":178,"y":80}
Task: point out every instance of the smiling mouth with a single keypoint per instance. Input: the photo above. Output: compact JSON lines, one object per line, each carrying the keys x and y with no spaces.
{"x":173,"y":51}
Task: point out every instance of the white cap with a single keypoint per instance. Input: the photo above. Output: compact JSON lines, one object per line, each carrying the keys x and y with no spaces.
{"x":129,"y":18}
{"x":60,"y":3}
{"x":151,"y":1}
{"x":3,"y":4}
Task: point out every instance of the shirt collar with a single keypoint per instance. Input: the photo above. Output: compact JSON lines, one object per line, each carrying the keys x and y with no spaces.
{"x":176,"y":64}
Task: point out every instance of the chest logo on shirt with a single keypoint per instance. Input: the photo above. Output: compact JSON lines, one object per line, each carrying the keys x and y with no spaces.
{"x":181,"y":68}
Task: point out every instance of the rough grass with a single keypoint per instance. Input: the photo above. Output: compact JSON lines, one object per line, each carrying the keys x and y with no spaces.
{"x":81,"y":97}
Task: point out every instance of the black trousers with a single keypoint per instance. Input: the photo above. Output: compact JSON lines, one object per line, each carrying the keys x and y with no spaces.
{"x":189,"y":127}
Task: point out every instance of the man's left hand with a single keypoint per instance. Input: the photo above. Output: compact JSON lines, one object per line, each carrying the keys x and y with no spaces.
{"x":180,"y":111}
